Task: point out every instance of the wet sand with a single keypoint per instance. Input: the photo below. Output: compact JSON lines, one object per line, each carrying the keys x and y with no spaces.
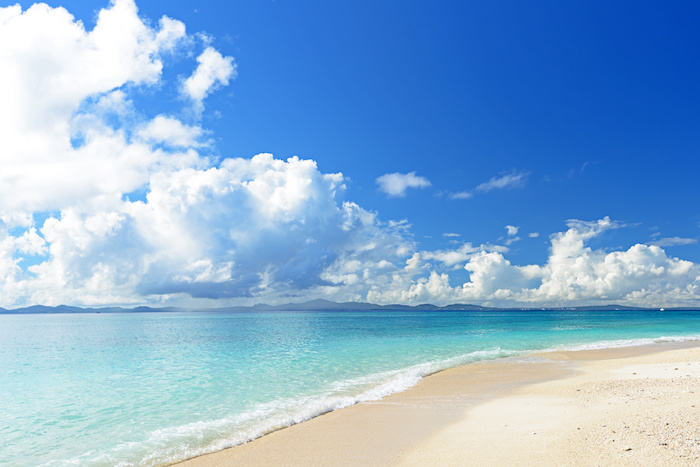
{"x":631,"y":406}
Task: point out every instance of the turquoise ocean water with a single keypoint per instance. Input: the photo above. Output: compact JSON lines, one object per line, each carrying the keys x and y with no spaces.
{"x":149,"y":388}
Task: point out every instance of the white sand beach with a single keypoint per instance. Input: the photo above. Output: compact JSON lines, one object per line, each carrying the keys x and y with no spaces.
{"x":628,"y":406}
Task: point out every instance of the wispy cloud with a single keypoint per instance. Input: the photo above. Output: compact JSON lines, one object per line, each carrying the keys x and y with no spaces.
{"x":510,"y":180}
{"x":513,"y":179}
{"x":512,"y":231}
{"x":396,"y":184}
{"x":674,"y":241}
{"x":460,"y":195}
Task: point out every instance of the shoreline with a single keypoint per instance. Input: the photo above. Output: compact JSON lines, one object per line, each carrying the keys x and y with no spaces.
{"x":447,"y":415}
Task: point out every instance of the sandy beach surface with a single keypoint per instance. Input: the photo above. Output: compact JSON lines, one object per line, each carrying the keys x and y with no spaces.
{"x":632,"y":406}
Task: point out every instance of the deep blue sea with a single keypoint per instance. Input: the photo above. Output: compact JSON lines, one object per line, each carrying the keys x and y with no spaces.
{"x":150,"y":388}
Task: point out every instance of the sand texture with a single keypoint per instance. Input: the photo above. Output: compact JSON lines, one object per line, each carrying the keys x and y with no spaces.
{"x":638,"y":406}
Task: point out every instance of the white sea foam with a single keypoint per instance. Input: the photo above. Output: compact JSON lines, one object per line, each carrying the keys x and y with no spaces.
{"x":621,"y":343}
{"x":290,"y":412}
{"x":202,"y":437}
{"x":194,"y":439}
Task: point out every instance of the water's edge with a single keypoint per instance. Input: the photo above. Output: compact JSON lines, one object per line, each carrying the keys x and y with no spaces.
{"x":650,"y":345}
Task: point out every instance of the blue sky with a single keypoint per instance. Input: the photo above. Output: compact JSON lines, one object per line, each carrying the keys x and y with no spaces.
{"x":500,"y":153}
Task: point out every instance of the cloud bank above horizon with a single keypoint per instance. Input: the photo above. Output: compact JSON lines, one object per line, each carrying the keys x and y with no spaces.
{"x":102,"y":203}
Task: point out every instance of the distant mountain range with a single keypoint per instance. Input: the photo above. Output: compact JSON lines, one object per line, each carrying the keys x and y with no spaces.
{"x":316,"y":305}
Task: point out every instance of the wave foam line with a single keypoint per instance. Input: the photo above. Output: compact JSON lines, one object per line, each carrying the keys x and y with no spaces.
{"x":622,"y":343}
{"x":195,"y":439}
{"x":176,"y":443}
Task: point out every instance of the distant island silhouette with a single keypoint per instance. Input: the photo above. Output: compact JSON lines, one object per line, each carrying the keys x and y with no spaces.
{"x":324,"y":305}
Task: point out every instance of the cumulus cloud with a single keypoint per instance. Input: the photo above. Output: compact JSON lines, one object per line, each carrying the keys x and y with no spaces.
{"x":574,"y":274}
{"x":642,"y":274}
{"x":249,"y":228}
{"x":233,"y":231}
{"x":61,"y":89}
{"x":396,"y":184}
{"x":171,"y":132}
{"x":214,"y":70}
{"x":75,"y":146}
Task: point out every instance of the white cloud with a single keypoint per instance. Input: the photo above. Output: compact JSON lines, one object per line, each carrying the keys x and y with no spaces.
{"x":74,"y":145}
{"x":674,"y":241}
{"x":254,"y":229}
{"x":533,"y":234}
{"x":396,"y":184}
{"x":171,"y":132}
{"x":251,"y":220}
{"x":213,"y":70}
{"x":413,"y":262}
{"x":451,"y":258}
{"x":460,"y":195}
{"x":493,"y":276}
{"x":425,"y":289}
{"x":512,"y":234}
{"x":574,"y":274}
{"x":30,"y":243}
{"x":263,"y":229}
{"x":62,"y":87}
{"x":457,"y":257}
{"x":642,"y":274}
{"x":510,"y":180}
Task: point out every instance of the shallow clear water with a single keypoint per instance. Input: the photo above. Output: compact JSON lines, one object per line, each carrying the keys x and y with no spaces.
{"x":149,"y":388}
